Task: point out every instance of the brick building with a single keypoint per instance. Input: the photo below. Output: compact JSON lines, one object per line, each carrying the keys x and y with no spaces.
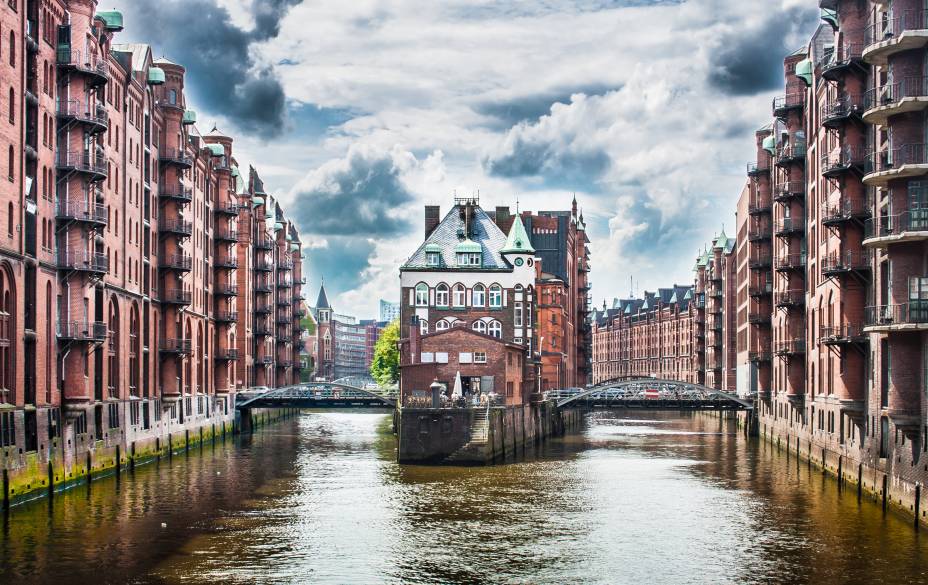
{"x":468,"y":305}
{"x":125,"y":250}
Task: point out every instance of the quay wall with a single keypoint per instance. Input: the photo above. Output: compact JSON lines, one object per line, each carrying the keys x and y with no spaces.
{"x":76,"y":458}
{"x":439,"y":436}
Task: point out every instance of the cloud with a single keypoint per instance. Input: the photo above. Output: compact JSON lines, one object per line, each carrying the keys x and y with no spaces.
{"x":361,"y":194}
{"x":222,"y":72}
{"x":749,"y":59}
{"x":342,"y":264}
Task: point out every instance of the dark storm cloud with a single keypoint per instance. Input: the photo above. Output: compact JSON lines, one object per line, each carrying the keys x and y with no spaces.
{"x":341,"y":264}
{"x":223,"y":77}
{"x":750,"y":61}
{"x":561,"y":168}
{"x":357,"y":196}
{"x":535,"y":8}
{"x":511,"y":111}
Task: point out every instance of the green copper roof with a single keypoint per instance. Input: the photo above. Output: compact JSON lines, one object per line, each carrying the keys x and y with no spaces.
{"x":239,"y":184}
{"x":518,"y":241}
{"x":295,"y":247}
{"x":278,"y":226}
{"x":289,"y":238}
{"x":190,"y":117}
{"x":432,"y":248}
{"x":256,"y":201}
{"x":216,"y":149}
{"x":770,"y":144}
{"x":721,"y":241}
{"x":112,"y":20}
{"x":804,"y":71}
{"x":831,"y":17}
{"x":235,"y":171}
{"x":689,"y":295}
{"x":673,"y":297}
{"x":468,"y":247}
{"x":269,"y":213}
{"x":155,"y":76}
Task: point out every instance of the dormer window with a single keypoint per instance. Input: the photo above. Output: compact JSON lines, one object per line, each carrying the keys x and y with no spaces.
{"x":469,"y":259}
{"x":433,"y":258}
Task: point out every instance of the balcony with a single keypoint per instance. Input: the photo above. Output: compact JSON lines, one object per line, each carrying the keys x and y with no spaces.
{"x":226,"y":290}
{"x":82,"y":331}
{"x":793,"y":152}
{"x":837,"y":264}
{"x":895,"y":35}
{"x":91,"y":115}
{"x":285,"y":264}
{"x":178,"y":262}
{"x":757,"y":357}
{"x":759,"y":208}
{"x":788,"y":190}
{"x":792,"y":101}
{"x":263,"y":287}
{"x":227,"y":208}
{"x":759,"y":319}
{"x":175,"y":346}
{"x":226,"y":355}
{"x":265,"y":359}
{"x":264,"y":309}
{"x":262,"y":243}
{"x":96,"y":71}
{"x":284,"y":363}
{"x":225,"y":262}
{"x":908,"y":226}
{"x":905,"y":96}
{"x":759,"y":233}
{"x":790,"y":347}
{"x":94,"y":166}
{"x":911,"y":316}
{"x":299,"y":313}
{"x":908,"y":160}
{"x":178,"y":227}
{"x":264,"y":266}
{"x":790,"y":226}
{"x":262,"y":329}
{"x":226,"y":317}
{"x":175,"y":157}
{"x":760,"y":262}
{"x":227,"y":235}
{"x":284,"y":283}
{"x":790,"y":262}
{"x":844,"y":58}
{"x":176,"y":296}
{"x":284,"y":319}
{"x":283,"y":302}
{"x":845,"y":334}
{"x":790,"y":299}
{"x":845,"y":160}
{"x":175,"y":192}
{"x":81,"y":261}
{"x":845,"y":211}
{"x":760,"y":291}
{"x":841,"y":110}
{"x":93,"y":214}
{"x":759,"y":168}
{"x":298,"y":296}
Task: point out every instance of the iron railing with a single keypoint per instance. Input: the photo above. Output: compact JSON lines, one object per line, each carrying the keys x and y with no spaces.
{"x":169,"y":345}
{"x":82,"y":330}
{"x":892,"y":93}
{"x":81,"y":210}
{"x":83,"y":261}
{"x":913,"y":220}
{"x":888,"y":28}
{"x":89,"y":112}
{"x":845,"y":262}
{"x":912,"y":312}
{"x":892,"y":158}
{"x":82,"y":161}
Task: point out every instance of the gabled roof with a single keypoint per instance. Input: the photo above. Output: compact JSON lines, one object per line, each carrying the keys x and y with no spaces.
{"x":323,"y":301}
{"x":484,"y":233}
{"x":518,"y":240}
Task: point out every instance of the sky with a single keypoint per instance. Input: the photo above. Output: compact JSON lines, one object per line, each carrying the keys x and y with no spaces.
{"x":358,"y":113}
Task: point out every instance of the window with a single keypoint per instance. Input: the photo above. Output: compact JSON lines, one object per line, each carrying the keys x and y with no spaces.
{"x":433,"y":258}
{"x":422,"y":295}
{"x":465,"y":357}
{"x":441,"y":295}
{"x":480,"y":357}
{"x":12,"y":49}
{"x":10,"y":172}
{"x":442,"y":325}
{"x":518,"y":314}
{"x":496,"y":296}
{"x":495,"y":329}
{"x":479,"y":327}
{"x":469,"y":259}
{"x":12,"y":106}
{"x":423,"y":326}
{"x":458,"y":296}
{"x":479,"y":296}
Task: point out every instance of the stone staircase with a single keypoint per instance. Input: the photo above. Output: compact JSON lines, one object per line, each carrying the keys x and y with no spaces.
{"x":474,"y":450}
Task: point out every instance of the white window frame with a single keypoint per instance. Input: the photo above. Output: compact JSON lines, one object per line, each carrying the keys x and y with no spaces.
{"x":423,"y":327}
{"x":496,"y":294}
{"x":495,"y":329}
{"x":518,"y":316}
{"x":433,"y":258}
{"x":459,"y":289}
{"x":480,"y":357}
{"x":422,"y":295}
{"x":465,"y":357}
{"x":479,"y":296}
{"x":442,"y":325}
{"x":441,"y":294}
{"x":479,"y":327}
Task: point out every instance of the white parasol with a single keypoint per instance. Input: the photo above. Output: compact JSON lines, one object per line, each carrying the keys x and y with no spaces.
{"x":456,"y":391}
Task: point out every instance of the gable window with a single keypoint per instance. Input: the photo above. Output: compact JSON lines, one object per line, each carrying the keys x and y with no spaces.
{"x":496,"y":296}
{"x":479,"y":296}
{"x":458,"y":296}
{"x":480,"y":357}
{"x":479,"y":327}
{"x":442,"y":325}
{"x":495,"y":329}
{"x":441,"y":295}
{"x":422,"y":295}
{"x":433,"y":258}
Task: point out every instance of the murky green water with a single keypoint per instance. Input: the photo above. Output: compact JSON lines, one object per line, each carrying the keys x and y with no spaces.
{"x":646,"y":498}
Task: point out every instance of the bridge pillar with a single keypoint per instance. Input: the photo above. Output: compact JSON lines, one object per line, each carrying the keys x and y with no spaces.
{"x":245,"y":421}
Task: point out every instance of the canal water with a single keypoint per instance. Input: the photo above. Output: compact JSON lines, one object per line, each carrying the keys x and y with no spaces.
{"x":631,"y":498}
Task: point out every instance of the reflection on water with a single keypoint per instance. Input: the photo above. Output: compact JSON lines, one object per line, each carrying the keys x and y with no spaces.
{"x":631,"y":499}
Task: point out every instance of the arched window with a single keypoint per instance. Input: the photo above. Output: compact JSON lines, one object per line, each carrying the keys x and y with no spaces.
{"x":479,"y":296}
{"x":479,"y":327}
{"x":442,"y":325}
{"x":10,"y":172}
{"x":202,"y":353}
{"x":9,"y":219}
{"x":172,"y":97}
{"x":188,"y":369}
{"x":441,"y":295}
{"x":134,"y":351}
{"x":12,"y":49}
{"x":496,"y":296}
{"x":422,"y":295}
{"x":113,"y":353}
{"x":12,"y":106}
{"x":495,"y":329}
{"x":7,"y":330}
{"x":423,"y":326}
{"x":458,"y":295}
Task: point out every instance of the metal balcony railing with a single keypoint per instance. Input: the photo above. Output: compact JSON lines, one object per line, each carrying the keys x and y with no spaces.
{"x":893,"y":158}
{"x":914,"y":312}
{"x":790,"y":347}
{"x":264,"y":309}
{"x":177,"y":296}
{"x":227,"y":208}
{"x":227,"y":354}
{"x":81,"y":210}
{"x":760,"y":291}
{"x":791,"y":225}
{"x":176,"y":156}
{"x":264,"y":266}
{"x":176,"y":191}
{"x":759,"y":356}
{"x":791,"y":100}
{"x":180,"y":346}
{"x":176,"y":226}
{"x":843,"y":211}
{"x":87,"y":112}
{"x":83,"y":261}
{"x":98,"y":70}
{"x":226,"y":235}
{"x":82,"y":331}
{"x":227,"y":290}
{"x":790,"y":298}
{"x":913,"y":220}
{"x":226,"y":262}
{"x":838,"y":262}
{"x":262,"y":243}
{"x":761,"y":261}
{"x":177,"y":261}
{"x":848,"y":157}
{"x":791,"y":261}
{"x":841,"y":108}
{"x":793,"y":150}
{"x":842,"y":56}
{"x":788,"y":190}
{"x":888,"y":28}
{"x":758,"y":168}
{"x":844,"y":333}
{"x":893,"y":93}
{"x":84,"y":162}
{"x":226,"y":316}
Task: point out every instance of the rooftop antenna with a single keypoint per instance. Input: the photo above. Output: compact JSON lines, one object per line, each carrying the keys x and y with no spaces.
{"x":517,"y":205}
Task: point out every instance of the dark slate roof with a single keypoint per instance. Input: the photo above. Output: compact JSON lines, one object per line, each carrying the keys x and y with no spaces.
{"x":323,"y":301}
{"x":484,"y":231}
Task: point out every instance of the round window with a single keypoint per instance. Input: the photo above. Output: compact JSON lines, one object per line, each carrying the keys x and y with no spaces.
{"x":519,"y":262}
{"x":531,"y":262}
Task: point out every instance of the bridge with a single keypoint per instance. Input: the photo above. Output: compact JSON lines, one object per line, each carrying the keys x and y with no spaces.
{"x":350,"y":392}
{"x":651,"y":394}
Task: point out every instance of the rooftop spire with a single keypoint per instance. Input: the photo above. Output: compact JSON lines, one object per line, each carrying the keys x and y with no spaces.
{"x":518,"y":240}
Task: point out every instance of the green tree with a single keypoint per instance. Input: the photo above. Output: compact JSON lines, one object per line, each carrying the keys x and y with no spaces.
{"x":385,"y":367}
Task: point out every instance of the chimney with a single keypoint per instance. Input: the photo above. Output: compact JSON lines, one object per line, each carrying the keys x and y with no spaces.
{"x":432,"y":218}
{"x":502,"y":217}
